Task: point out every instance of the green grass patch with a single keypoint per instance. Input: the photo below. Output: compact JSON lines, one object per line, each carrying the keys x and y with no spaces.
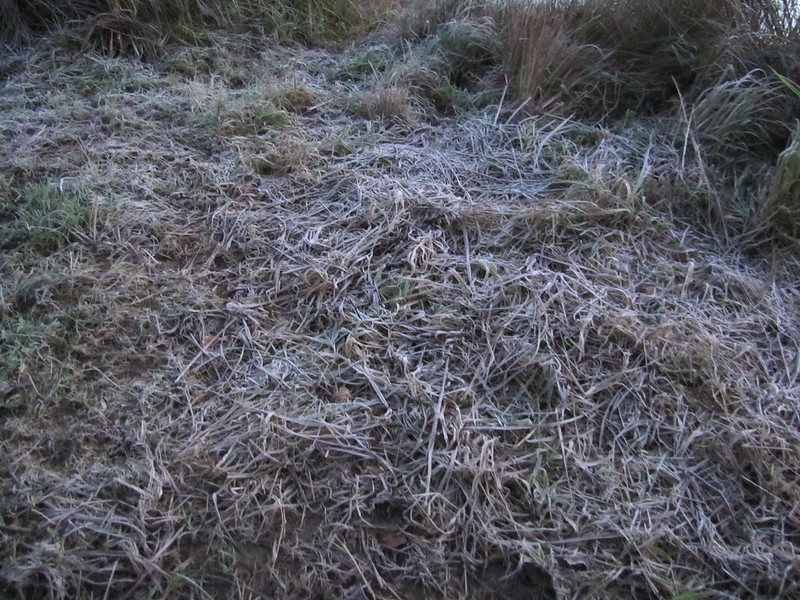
{"x":49,"y":218}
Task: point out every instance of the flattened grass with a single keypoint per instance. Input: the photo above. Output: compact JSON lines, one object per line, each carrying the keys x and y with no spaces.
{"x":341,"y":354}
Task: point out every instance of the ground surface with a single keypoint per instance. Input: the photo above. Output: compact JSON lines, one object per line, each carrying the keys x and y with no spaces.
{"x":257,"y":344}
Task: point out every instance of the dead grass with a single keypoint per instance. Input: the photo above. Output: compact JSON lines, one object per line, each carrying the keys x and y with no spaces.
{"x":328,"y":357}
{"x":387,"y":103}
{"x":596,"y":58}
{"x":142,"y":28}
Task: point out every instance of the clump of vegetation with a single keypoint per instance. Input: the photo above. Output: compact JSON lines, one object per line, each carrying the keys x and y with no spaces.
{"x":601,"y":58}
{"x":48,"y":218}
{"x":389,"y":103}
{"x":141,"y":27}
{"x":701,"y":71}
{"x":465,"y":49}
{"x":780,"y":210}
{"x":366,"y":63}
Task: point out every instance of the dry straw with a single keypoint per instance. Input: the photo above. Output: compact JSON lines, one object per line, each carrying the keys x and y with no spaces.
{"x":468,"y":358}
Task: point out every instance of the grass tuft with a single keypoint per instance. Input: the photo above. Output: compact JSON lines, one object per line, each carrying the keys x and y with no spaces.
{"x":781,"y":207}
{"x":389,"y":103}
{"x":50,"y":218}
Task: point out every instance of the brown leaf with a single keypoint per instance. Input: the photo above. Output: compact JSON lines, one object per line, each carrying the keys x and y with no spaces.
{"x":394,"y":540}
{"x":577,"y":559}
{"x":341,"y":395}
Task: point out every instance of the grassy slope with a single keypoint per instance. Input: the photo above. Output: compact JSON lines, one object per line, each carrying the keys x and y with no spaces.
{"x":255,"y":343}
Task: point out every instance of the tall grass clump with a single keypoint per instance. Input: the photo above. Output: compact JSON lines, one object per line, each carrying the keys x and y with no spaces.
{"x":141,"y":27}
{"x":20,"y":20}
{"x":466,"y":48}
{"x":423,"y":18}
{"x":600,"y":58}
{"x":701,"y":71}
{"x":780,"y":210}
{"x":453,"y":68}
{"x":548,"y":64}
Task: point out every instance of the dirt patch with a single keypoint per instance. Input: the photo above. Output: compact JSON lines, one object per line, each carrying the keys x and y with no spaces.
{"x":527,"y":581}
